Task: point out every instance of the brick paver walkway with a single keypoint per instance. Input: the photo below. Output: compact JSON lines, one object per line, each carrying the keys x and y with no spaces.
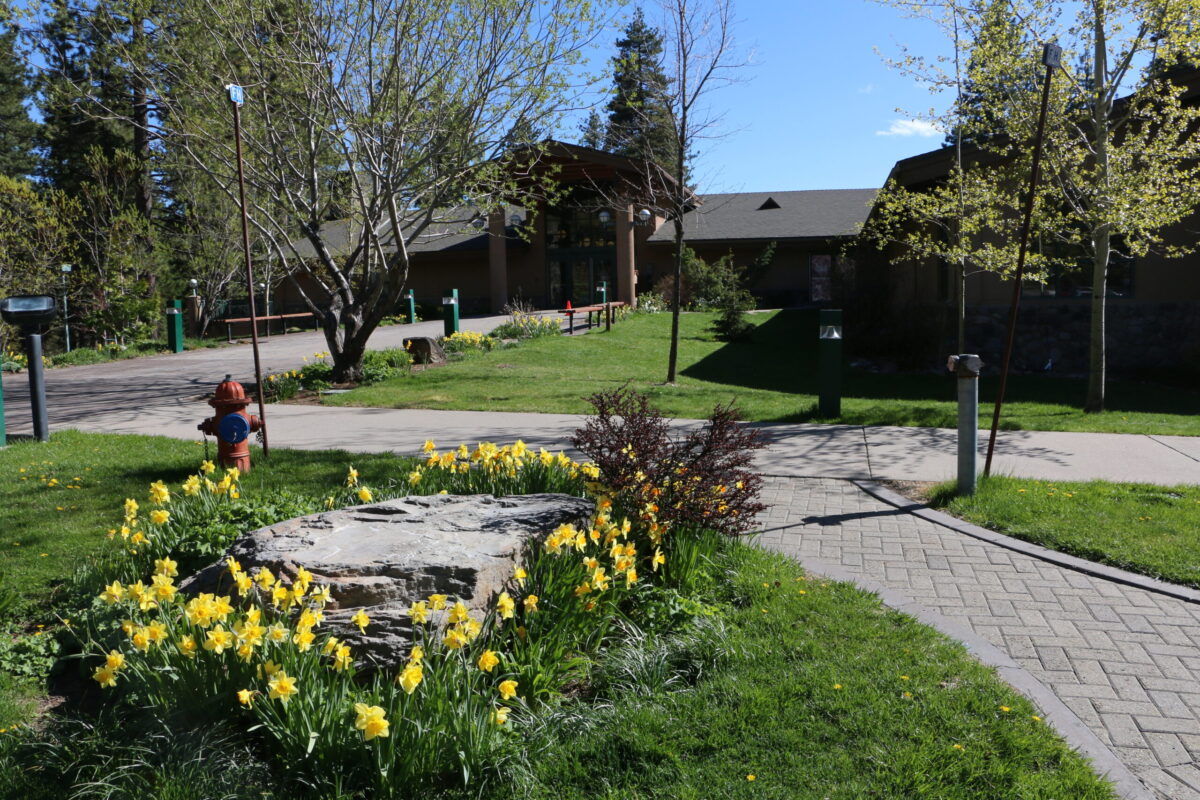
{"x":1125,"y":660}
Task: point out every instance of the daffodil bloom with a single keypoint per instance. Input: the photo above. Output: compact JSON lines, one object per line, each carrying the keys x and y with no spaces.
{"x":159,"y":516}
{"x":222,"y":608}
{"x":471,"y":628}
{"x":342,"y":659}
{"x":417,"y":654}
{"x":352,"y":477}
{"x":307,"y":621}
{"x":500,"y":715}
{"x":330,"y":645}
{"x":113,"y":593}
{"x":631,"y":577}
{"x":138,"y":538}
{"x":218,"y":639}
{"x":364,"y":495}
{"x":414,"y":477}
{"x":187,"y":646}
{"x":280,"y":595}
{"x":599,"y":579}
{"x":429,"y":446}
{"x":361,"y":619}
{"x":458,"y":612}
{"x":156,"y":632}
{"x":505,"y":606}
{"x":531,"y":603}
{"x":519,"y":575}
{"x":245,"y":697}
{"x":166,"y":566}
{"x":371,"y":721}
{"x":114,"y":660}
{"x":269,"y":668}
{"x":131,"y":508}
{"x":282,"y":687}
{"x":264,"y":578}
{"x":437,"y":601}
{"x":159,"y":494}
{"x":418,"y":611}
{"x":163,"y":588}
{"x":454,"y":639}
{"x":106,"y":677}
{"x":191,"y":487}
{"x":321,"y":595}
{"x":488,"y":661}
{"x":658,"y":560}
{"x":507,"y":689}
{"x":583,"y":589}
{"x":277,"y":633}
{"x":410,"y":678}
{"x":303,"y":640}
{"x":244,"y":584}
{"x":140,"y":640}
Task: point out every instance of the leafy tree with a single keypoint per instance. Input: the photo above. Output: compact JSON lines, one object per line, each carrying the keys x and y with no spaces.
{"x":35,"y":237}
{"x":1122,"y":157}
{"x":17,"y":130}
{"x":591,"y":131}
{"x":639,"y":121}
{"x":398,"y":112}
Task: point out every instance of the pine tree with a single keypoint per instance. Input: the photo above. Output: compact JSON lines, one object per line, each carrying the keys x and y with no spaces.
{"x":591,"y":131}
{"x":639,"y":115}
{"x":17,"y":130}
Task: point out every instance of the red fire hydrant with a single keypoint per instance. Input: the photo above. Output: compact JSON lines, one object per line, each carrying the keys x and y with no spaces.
{"x":231,"y":425}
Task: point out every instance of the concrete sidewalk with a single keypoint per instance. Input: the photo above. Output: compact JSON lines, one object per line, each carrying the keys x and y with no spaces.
{"x":826,"y":451}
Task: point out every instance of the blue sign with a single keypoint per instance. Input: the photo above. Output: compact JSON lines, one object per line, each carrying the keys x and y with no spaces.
{"x":234,"y":428}
{"x":235,"y":94}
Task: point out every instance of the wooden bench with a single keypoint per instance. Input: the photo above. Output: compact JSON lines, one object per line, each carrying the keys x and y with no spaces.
{"x":231,"y":321}
{"x":599,"y":308}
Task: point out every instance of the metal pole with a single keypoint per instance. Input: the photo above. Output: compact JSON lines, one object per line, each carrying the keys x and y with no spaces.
{"x":37,"y":387}
{"x":258,"y":381}
{"x":966,"y":369}
{"x":1051,"y":55}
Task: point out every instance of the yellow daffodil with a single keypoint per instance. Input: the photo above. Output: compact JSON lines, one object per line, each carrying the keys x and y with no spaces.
{"x":106,"y":677}
{"x":429,"y":446}
{"x":159,"y":516}
{"x":507,"y":689}
{"x":418,"y":611}
{"x":156,"y":632}
{"x":500,"y":715}
{"x":410,"y":678}
{"x":531,"y":603}
{"x":264,"y":578}
{"x":352,"y":477}
{"x":342,"y":659}
{"x":113,"y":593}
{"x":245,"y":697}
{"x":505,"y":606}
{"x":277,"y":633}
{"x":166,"y":566}
{"x":303,"y":640}
{"x":437,"y":601}
{"x":191,"y":486}
{"x":488,"y":661}
{"x":282,"y":687}
{"x":361,"y":619}
{"x":163,"y":588}
{"x":364,"y":495}
{"x":140,"y":640}
{"x":416,"y":654}
{"x":114,"y":660}
{"x":218,"y":640}
{"x":458,"y":612}
{"x":187,"y":646}
{"x":371,"y":721}
{"x":131,"y":508}
{"x":454,"y":639}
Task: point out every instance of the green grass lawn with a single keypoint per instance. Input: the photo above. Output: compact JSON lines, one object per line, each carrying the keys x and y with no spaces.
{"x":48,"y":528}
{"x":772,"y":377}
{"x":833,"y":696}
{"x":825,"y":692}
{"x":1146,"y":529}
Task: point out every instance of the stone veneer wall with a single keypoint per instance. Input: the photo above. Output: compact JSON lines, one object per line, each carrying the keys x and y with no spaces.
{"x":1140,"y":334}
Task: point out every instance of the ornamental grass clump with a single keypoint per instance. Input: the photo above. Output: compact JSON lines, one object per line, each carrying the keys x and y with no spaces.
{"x":703,"y":479}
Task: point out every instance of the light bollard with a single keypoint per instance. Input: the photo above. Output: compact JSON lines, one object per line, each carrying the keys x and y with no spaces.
{"x":450,"y":311}
{"x":175,"y":326}
{"x":966,"y":369}
{"x":31,"y":313}
{"x":411,"y":297}
{"x":830,"y":362}
{"x":37,"y":387}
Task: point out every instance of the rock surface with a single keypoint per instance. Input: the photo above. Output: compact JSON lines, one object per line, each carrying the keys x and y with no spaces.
{"x":383,"y":556}
{"x":425,"y":350}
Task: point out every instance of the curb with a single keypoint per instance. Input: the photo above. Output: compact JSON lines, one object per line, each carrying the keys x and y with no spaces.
{"x":1074,"y":563}
{"x":1056,"y":713}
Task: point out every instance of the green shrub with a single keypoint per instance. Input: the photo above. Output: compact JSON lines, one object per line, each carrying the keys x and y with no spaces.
{"x":525,"y":325}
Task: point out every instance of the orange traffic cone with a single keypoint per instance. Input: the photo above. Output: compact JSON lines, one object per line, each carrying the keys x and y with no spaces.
{"x":568,"y":305}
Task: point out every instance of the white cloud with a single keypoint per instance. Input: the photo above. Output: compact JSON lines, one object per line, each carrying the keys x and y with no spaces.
{"x":868,"y":89}
{"x":911,"y":127}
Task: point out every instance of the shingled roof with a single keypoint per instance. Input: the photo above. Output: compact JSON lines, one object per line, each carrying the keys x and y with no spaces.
{"x":814,"y":214}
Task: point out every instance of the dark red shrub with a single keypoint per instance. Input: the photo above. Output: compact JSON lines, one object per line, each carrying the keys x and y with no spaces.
{"x":703,"y":478}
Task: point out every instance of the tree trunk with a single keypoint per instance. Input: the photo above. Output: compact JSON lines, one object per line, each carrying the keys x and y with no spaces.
{"x":1098,"y":329}
{"x":678,"y":290}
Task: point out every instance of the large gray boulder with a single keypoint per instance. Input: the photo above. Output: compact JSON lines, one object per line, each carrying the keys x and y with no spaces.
{"x":383,"y":556}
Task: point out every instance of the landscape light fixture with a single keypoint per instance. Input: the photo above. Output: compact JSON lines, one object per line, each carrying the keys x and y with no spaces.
{"x":478,"y":223}
{"x":604,"y":216}
{"x":515,"y":220}
{"x":193,"y":283}
{"x":643,"y":216}
{"x":66,"y":271}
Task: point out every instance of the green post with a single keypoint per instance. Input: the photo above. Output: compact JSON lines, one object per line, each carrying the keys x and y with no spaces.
{"x":602,"y":288}
{"x":175,"y":326}
{"x":830,"y":371}
{"x":450,"y":310}
{"x":411,"y":297}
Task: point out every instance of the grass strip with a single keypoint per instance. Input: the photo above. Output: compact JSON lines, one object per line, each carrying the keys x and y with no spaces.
{"x":834,"y":696}
{"x":1150,"y":530}
{"x":772,"y":375}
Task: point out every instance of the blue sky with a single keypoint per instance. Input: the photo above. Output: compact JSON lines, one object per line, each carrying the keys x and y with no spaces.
{"x":817,"y":97}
